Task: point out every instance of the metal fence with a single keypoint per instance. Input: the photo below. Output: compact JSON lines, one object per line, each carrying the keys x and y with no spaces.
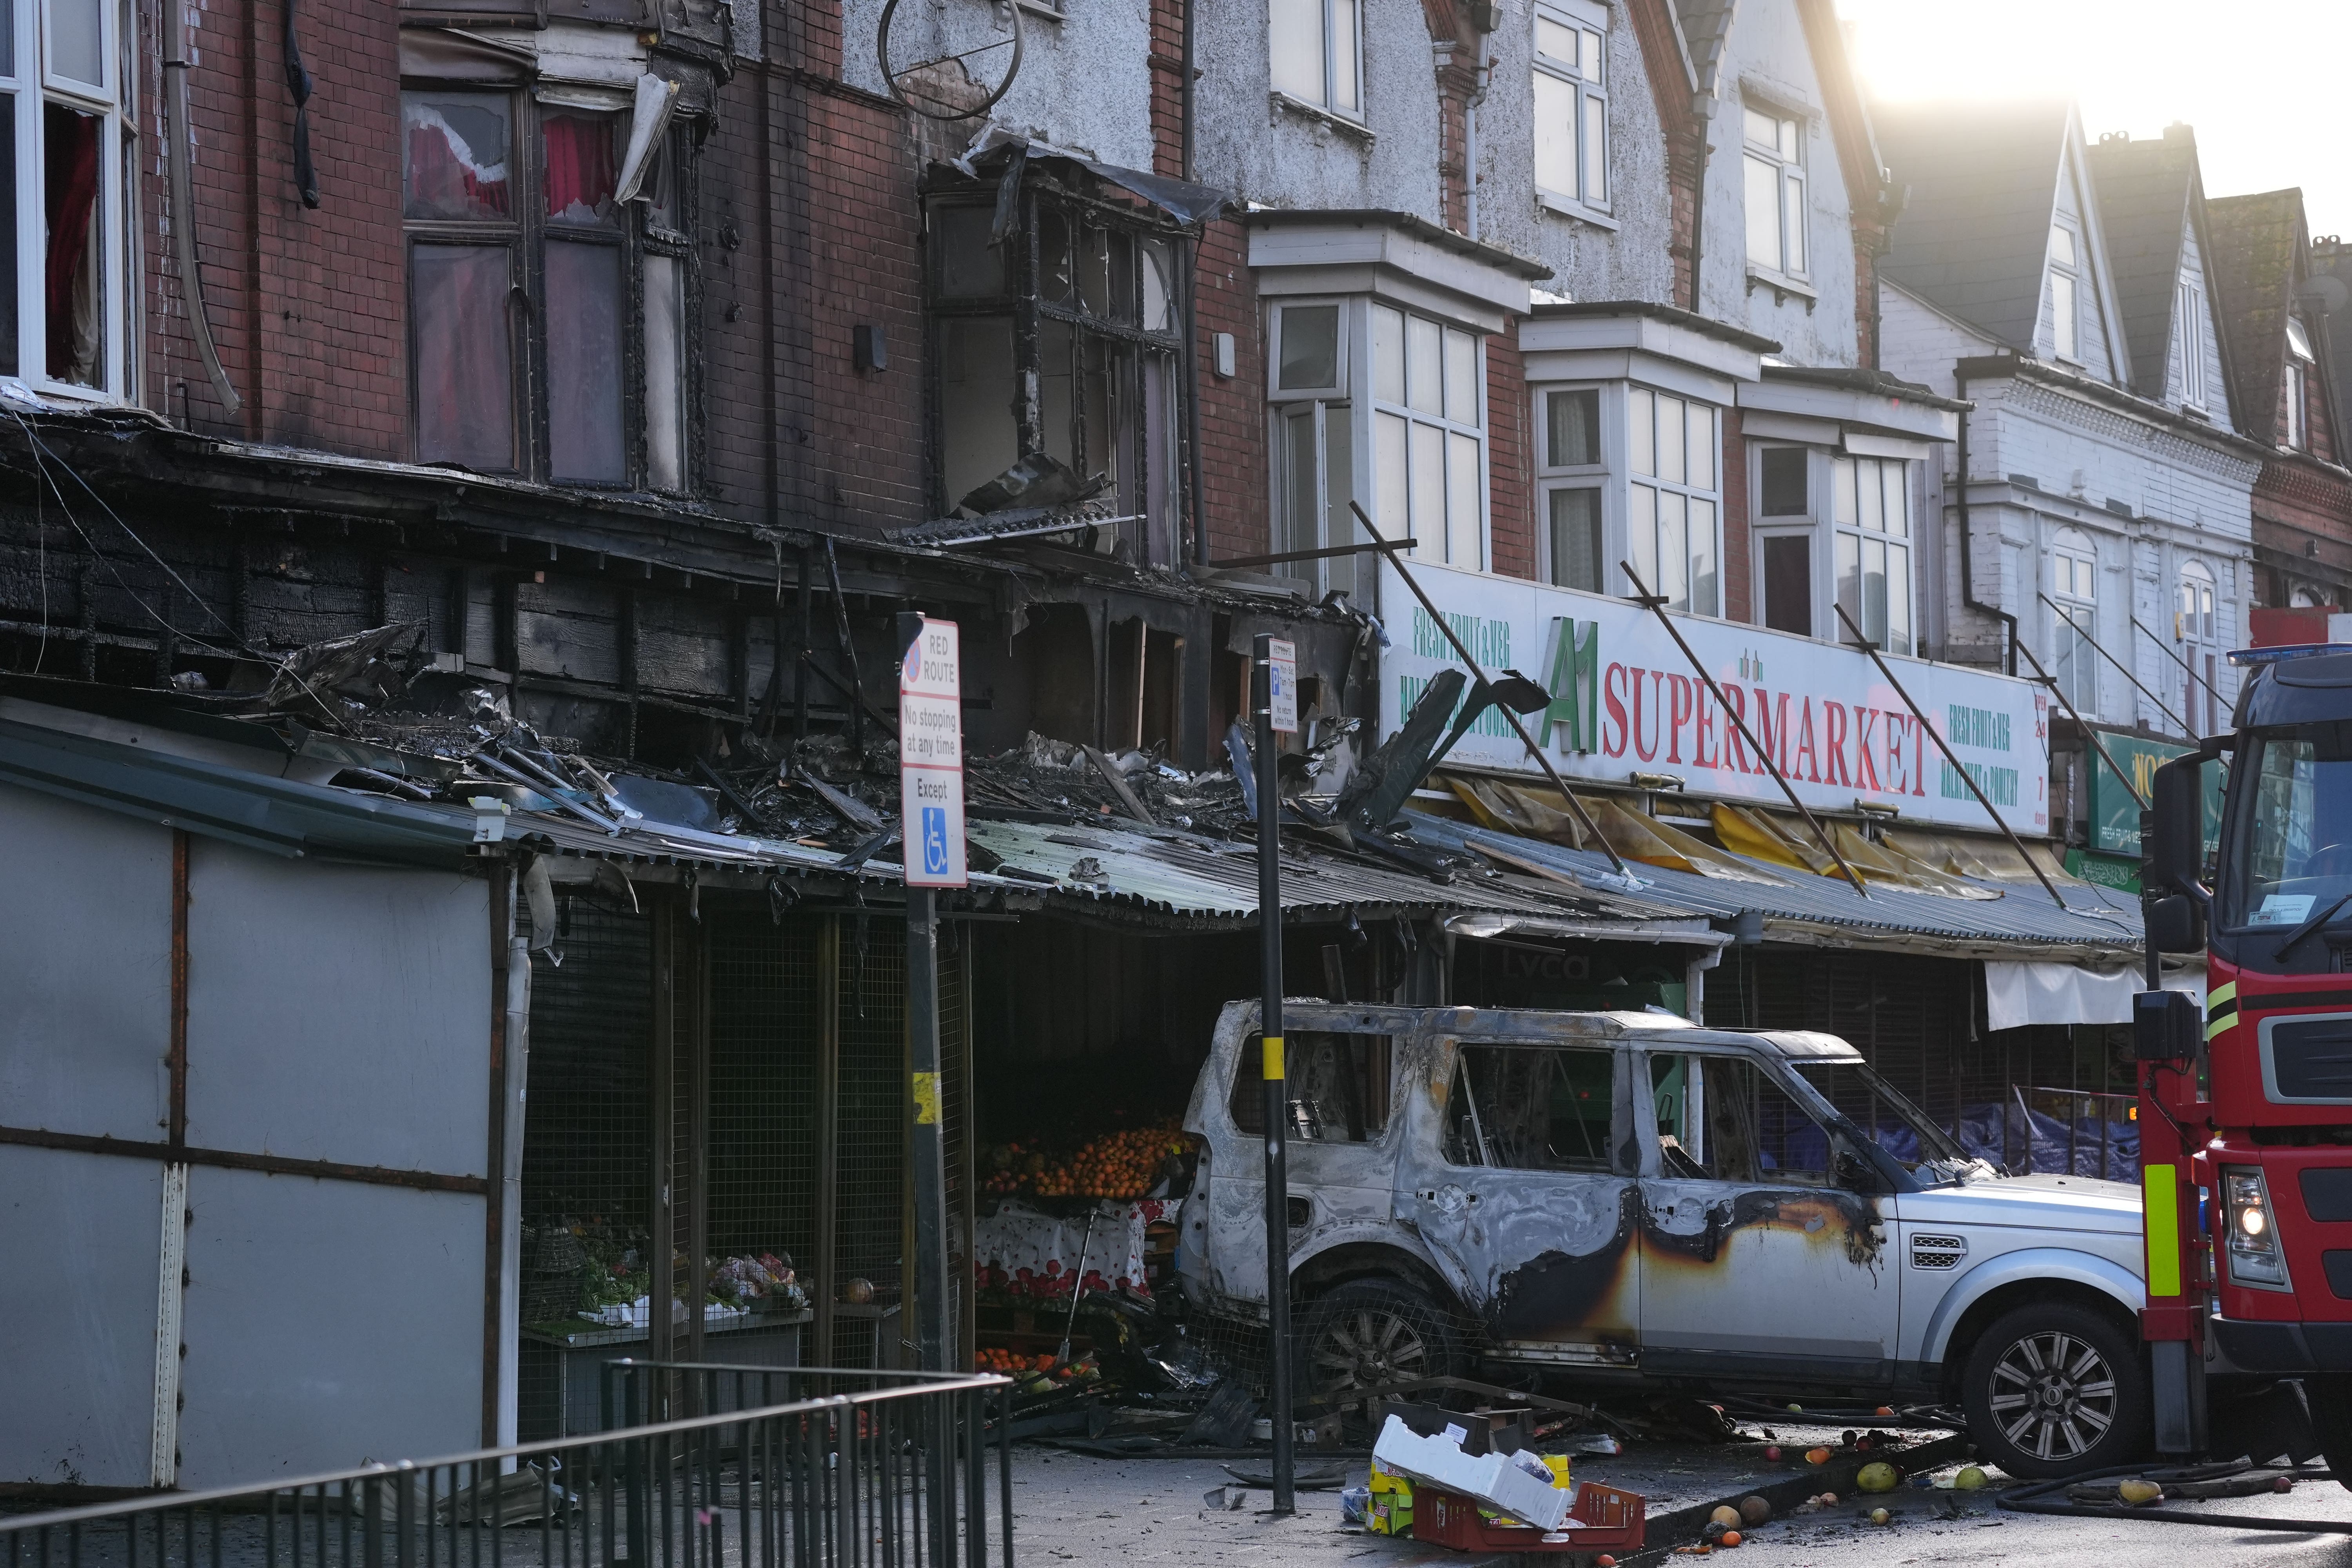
{"x":811,"y":1468}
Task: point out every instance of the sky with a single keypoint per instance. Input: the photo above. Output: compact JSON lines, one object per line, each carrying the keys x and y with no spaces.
{"x":2256,"y":79}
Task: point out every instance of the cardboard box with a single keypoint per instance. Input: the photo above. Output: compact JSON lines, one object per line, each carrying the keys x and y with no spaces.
{"x":1493,"y":1479}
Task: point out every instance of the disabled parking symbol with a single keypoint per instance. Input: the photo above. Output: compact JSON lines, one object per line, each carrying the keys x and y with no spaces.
{"x":935,"y":841}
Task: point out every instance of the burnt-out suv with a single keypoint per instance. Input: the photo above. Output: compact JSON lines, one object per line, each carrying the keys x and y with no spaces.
{"x":1628,"y":1199}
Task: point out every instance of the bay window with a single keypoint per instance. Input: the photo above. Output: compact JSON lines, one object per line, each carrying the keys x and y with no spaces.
{"x":69,"y":159}
{"x":1673,"y":503}
{"x":547,"y":313}
{"x":2195,"y":628}
{"x":1871,"y":505}
{"x":1059,"y":340}
{"x":2075,"y":571}
{"x":1572,"y":491}
{"x":1429,"y":446}
{"x":1784,"y":529}
{"x":1572,"y":103}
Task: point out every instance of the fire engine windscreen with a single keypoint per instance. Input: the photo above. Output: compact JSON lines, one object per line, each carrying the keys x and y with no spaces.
{"x":2290,"y":855}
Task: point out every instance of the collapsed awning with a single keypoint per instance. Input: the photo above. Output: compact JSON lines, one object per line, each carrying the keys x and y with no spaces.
{"x":2017,"y":995}
{"x":1187,"y":203}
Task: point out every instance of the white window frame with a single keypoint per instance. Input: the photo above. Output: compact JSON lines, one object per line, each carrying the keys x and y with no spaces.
{"x":1593,"y":479}
{"x":2065,"y":291}
{"x":1320,"y":407}
{"x":2074,"y":632}
{"x":1781,"y":157}
{"x":2188,"y":323}
{"x":1580,"y":86}
{"x":1872,"y":519}
{"x":1648,"y":526}
{"x":1457,"y":538}
{"x":2197,"y":628}
{"x":1336,"y":85}
{"x":1804,"y":524}
{"x":2295,"y":389}
{"x":32,"y":87}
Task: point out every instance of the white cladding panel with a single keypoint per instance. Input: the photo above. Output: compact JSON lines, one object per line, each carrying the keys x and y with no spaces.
{"x":327,"y":1322}
{"x":338,"y":1013}
{"x":85,"y":969}
{"x":77,"y":1295}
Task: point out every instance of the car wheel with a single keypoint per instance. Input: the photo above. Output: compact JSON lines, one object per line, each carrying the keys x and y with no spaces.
{"x":2329,"y":1396}
{"x":1369,"y":1332}
{"x":2055,"y":1389}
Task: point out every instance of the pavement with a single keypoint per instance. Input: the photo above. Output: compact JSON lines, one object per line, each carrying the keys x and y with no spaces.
{"x":1072,"y":1508}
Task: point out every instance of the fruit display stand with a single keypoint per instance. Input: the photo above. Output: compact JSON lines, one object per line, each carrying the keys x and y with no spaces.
{"x":1025,"y":1249}
{"x":1602,"y":1519}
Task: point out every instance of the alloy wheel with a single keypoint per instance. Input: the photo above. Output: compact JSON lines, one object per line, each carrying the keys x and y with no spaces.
{"x":2053,"y":1394}
{"x":1367,"y":1347}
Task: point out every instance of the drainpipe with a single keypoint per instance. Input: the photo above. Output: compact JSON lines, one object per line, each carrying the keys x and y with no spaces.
{"x":1191,"y":311}
{"x":178,"y":156}
{"x":1968,"y":538}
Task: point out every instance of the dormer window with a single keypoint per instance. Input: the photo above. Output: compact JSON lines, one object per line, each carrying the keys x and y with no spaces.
{"x":2066,"y":307}
{"x":2189,"y":327}
{"x":2296,"y":425}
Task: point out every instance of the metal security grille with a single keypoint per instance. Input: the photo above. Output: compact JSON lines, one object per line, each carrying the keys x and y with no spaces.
{"x":955,"y":1129}
{"x":869,"y":1182}
{"x":587,"y":1134}
{"x":1916,"y":1020}
{"x":761,"y":1173}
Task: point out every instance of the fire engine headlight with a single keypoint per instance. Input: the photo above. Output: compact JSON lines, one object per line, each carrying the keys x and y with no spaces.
{"x":2251,"y":1240}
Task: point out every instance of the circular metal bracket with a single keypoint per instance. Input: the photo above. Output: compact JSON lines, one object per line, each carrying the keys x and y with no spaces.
{"x":893,"y":78}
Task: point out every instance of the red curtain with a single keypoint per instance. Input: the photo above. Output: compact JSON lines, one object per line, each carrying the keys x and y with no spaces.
{"x":71,"y":179}
{"x":444,"y":179}
{"x":579,"y":165}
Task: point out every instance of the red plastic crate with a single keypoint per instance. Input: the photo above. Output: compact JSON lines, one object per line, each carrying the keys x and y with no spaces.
{"x":1602,"y":1518}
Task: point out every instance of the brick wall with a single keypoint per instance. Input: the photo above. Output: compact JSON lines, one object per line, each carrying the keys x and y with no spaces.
{"x":1168,"y":86}
{"x":307,"y":308}
{"x":810,"y":227}
{"x":1232,"y":413}
{"x":2300,"y":507}
{"x":1510,"y":458}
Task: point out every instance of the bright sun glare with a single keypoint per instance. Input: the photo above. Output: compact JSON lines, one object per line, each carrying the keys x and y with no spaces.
{"x":2248,"y":77}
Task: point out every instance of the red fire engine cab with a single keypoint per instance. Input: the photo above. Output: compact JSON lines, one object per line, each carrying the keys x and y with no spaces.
{"x":2245,"y":1113}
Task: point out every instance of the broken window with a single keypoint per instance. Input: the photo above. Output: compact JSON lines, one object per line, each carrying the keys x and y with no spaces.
{"x":1725,"y":1119}
{"x":1337,"y":1087}
{"x":1531,"y":1107}
{"x":530,"y":307}
{"x":1057,"y":339}
{"x":68,"y":162}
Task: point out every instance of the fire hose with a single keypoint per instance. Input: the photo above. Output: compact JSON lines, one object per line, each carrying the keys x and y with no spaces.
{"x":2034,"y":1498}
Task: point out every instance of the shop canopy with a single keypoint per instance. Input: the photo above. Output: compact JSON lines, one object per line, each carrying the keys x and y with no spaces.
{"x":1981,"y":918}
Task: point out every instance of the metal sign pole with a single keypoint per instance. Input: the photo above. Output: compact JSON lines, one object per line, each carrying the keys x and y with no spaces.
{"x":930,"y":789}
{"x":1274,"y":696}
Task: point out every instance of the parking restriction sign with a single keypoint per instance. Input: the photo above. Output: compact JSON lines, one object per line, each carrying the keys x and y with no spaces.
{"x":930,"y":757}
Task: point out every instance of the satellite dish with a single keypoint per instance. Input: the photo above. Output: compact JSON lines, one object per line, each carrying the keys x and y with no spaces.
{"x":2325,"y":292}
{"x":949,"y":77}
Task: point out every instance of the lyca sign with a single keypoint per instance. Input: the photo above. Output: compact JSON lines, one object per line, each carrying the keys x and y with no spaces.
{"x":1624,"y":700}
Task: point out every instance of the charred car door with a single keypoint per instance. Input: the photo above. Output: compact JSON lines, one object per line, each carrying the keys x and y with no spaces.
{"x":1762,"y":1241}
{"x":1523,"y":1190}
{"x":1339,"y":1065}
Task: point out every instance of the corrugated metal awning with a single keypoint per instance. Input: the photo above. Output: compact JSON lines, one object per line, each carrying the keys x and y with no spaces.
{"x":2101,"y":924}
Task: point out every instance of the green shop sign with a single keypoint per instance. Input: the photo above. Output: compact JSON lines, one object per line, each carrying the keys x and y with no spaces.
{"x":2114,"y":815}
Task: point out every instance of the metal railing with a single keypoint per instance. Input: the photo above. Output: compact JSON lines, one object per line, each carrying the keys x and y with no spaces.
{"x":2094,"y":1150}
{"x":879,"y":1470}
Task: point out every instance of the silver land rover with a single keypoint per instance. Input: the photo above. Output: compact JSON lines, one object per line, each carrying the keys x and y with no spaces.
{"x":1627,"y":1199}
